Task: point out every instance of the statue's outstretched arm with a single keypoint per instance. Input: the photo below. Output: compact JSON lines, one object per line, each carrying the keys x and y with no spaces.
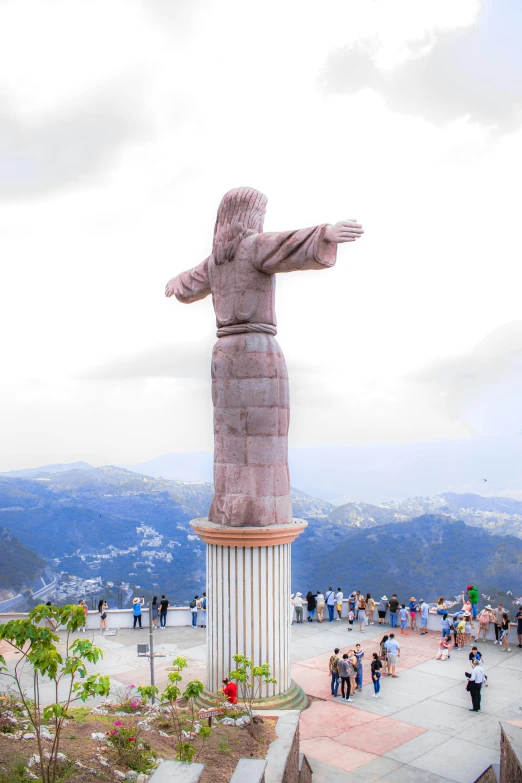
{"x":190,"y":286}
{"x":306,"y":248}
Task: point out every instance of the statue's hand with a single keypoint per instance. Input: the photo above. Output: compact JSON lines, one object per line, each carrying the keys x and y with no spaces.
{"x":344,"y":231}
{"x":169,"y":288}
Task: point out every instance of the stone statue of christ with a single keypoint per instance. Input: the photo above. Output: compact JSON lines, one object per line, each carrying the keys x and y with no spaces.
{"x":249,"y":376}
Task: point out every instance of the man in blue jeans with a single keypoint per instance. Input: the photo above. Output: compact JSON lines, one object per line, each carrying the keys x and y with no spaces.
{"x":394,"y":608}
{"x":194,"y":609}
{"x":330,"y":603}
{"x":334,"y":671}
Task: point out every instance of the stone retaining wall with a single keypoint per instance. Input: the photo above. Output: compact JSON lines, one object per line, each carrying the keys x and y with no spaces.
{"x":283,"y":763}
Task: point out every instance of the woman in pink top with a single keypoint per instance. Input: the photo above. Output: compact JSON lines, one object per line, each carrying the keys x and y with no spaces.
{"x":444,"y":648}
{"x":466,"y":604}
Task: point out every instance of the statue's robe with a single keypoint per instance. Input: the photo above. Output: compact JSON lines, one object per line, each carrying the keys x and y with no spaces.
{"x":249,"y":376}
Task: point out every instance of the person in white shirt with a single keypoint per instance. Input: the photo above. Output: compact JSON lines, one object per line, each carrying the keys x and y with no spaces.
{"x":330,"y":603}
{"x":476,"y":678}
{"x":298,"y":605}
{"x":339,"y":602}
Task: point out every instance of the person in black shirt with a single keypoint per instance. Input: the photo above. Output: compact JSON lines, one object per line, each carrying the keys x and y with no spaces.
{"x":394,"y":608}
{"x":164,"y":605}
{"x":311,"y":604}
{"x":376,"y":674}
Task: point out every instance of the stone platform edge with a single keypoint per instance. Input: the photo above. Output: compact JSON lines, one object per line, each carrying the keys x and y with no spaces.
{"x":268,"y":535}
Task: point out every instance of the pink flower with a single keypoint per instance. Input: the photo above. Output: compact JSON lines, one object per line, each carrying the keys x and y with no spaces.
{"x":131,"y":739}
{"x":132,"y":686}
{"x":114,"y":731}
{"x":119,"y":723}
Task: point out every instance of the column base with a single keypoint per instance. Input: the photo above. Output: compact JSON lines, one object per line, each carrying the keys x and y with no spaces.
{"x":293,"y":699}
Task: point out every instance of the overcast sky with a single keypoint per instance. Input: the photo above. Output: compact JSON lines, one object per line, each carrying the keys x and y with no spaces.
{"x":122,"y":124}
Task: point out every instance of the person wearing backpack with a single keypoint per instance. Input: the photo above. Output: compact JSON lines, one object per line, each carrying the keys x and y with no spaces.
{"x":194,"y":609}
{"x":203,"y":607}
{"x":330,"y":603}
{"x":334,"y":672}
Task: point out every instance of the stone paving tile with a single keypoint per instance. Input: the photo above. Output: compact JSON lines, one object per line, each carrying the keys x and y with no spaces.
{"x":409,"y":774}
{"x":444,"y":718}
{"x":326,"y":773}
{"x":340,"y":756}
{"x":459,"y":760}
{"x":418,"y":746}
{"x":375,"y":770}
{"x":328,"y":719}
{"x":485,"y":733}
{"x":313,"y":682}
{"x":503,"y":711}
{"x":379,"y":736}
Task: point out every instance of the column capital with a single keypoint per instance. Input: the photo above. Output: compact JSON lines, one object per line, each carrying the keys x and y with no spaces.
{"x":270,"y":535}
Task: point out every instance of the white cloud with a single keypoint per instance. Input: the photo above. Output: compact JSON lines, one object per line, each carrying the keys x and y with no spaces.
{"x":97,"y":364}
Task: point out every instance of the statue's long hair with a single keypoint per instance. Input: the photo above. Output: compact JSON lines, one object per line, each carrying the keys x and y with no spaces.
{"x":240,"y":214}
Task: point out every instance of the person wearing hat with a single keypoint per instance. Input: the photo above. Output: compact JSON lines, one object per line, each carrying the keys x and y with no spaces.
{"x":382,"y":608}
{"x":298,"y":606}
{"x":485,"y":617}
{"x":469,"y":627}
{"x":137,"y":603}
{"x":461,"y":632}
{"x":413,"y":613}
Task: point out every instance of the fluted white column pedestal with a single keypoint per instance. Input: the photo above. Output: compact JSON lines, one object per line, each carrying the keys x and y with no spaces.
{"x":248,"y":605}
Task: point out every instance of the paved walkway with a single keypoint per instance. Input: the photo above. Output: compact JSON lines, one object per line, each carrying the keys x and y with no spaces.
{"x":420,"y":729}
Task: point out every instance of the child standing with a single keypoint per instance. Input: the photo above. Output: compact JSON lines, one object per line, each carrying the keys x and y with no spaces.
{"x":413,"y":613}
{"x":351,"y":616}
{"x":403,"y":617}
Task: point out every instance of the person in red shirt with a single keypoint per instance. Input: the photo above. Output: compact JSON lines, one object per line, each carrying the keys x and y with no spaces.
{"x":230,"y":690}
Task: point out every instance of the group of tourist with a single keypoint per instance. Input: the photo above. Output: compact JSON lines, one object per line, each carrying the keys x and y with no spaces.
{"x":348,"y":669}
{"x":361,"y":609}
{"x":159,"y":609}
{"x":464,"y":624}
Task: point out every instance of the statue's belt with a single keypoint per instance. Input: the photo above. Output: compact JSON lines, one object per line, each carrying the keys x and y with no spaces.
{"x":224,"y":331}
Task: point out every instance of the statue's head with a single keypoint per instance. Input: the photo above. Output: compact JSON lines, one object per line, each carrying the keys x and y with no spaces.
{"x":240,"y":214}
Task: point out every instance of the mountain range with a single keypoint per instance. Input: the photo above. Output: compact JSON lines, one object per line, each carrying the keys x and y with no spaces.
{"x":380,"y":472}
{"x":119,"y":531}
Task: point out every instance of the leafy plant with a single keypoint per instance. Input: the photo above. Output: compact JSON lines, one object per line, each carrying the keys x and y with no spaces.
{"x":127,"y":699}
{"x":183,"y":719}
{"x":250,"y":680}
{"x":131,"y":748}
{"x":35,"y":639}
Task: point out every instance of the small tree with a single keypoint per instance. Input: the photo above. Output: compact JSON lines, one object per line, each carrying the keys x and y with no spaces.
{"x":37,"y":646}
{"x":182,"y":722}
{"x":250,"y":680}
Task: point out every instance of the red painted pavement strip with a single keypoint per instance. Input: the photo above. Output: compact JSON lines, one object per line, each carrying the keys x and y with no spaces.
{"x":328,"y":719}
{"x":379,"y":737}
{"x":349,"y":738}
{"x":340,"y":756}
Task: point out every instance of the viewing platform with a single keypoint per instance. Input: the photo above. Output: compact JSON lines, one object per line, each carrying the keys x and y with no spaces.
{"x":419,"y":730}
